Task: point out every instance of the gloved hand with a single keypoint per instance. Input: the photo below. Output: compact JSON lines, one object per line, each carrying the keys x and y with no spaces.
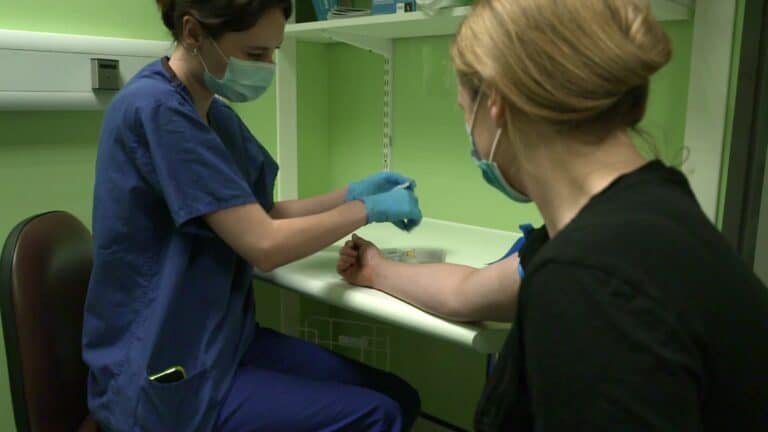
{"x":377,"y":184}
{"x":399,"y":206}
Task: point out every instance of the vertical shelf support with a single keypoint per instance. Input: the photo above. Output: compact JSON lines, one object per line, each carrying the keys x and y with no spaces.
{"x":288,"y":159}
{"x":389,"y":74}
{"x":287,"y":123}
{"x":384,"y":48}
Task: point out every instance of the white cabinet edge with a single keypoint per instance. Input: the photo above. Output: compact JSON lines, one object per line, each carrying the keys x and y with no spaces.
{"x":65,"y":43}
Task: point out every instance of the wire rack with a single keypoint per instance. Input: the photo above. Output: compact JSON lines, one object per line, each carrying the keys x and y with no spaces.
{"x":366,"y":342}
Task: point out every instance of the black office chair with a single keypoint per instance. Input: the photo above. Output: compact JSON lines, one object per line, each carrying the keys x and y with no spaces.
{"x":44,"y":271}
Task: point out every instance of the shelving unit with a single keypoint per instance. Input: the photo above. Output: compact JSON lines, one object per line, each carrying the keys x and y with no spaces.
{"x":392,"y":26}
{"x":713,"y":20}
{"x":376,"y":34}
{"x":419,"y":24}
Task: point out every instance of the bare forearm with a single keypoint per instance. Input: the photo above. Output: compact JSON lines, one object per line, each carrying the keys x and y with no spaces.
{"x":456,"y":292}
{"x":296,"y":238}
{"x":435,"y":288}
{"x":309,"y":206}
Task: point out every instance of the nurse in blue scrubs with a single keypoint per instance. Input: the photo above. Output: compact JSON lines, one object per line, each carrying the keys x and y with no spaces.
{"x":183,"y":211}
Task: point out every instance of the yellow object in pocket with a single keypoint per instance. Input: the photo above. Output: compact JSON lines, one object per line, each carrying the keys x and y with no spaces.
{"x":170,"y":375}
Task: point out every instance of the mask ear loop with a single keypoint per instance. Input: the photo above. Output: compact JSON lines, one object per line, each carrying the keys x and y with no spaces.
{"x":493,"y":152}
{"x":215,"y":45}
{"x":472,"y":126}
{"x":196,"y":53}
{"x":475,"y":152}
{"x":495,"y":143}
{"x":221,"y":53}
{"x":474,"y":111}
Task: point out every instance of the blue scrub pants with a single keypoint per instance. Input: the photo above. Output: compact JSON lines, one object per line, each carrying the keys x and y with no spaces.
{"x":286,"y":384}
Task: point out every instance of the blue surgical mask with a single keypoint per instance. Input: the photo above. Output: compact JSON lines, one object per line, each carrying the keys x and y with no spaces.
{"x":243,"y":80}
{"x":489,"y":168}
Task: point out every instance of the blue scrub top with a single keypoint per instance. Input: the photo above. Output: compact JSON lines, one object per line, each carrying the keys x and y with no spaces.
{"x":166,"y":290}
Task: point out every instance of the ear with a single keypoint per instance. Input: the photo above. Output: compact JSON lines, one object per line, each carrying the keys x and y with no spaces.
{"x":192,"y":33}
{"x":497,"y":108}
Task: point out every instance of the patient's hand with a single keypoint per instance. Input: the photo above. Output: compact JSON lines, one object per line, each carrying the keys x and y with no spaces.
{"x":357,"y":261}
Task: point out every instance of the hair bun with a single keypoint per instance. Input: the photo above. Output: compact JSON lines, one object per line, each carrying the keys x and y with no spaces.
{"x":168,"y":11}
{"x":575,"y":64}
{"x":654,"y":49}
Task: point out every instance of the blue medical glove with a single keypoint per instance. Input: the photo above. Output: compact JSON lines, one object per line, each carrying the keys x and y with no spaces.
{"x":399,"y":206}
{"x":377,"y":184}
{"x":407,"y":225}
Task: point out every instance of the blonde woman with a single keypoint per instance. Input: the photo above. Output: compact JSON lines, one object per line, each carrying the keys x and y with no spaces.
{"x":633,"y":313}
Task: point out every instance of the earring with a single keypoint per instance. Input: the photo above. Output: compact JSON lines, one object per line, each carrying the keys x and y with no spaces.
{"x":194,"y":51}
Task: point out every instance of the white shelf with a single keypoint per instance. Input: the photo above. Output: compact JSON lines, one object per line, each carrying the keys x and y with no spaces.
{"x":390,"y":26}
{"x":418,"y":24}
{"x":316,"y":277}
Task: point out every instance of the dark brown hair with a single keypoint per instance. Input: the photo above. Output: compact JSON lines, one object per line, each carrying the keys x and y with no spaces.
{"x":218,"y":16}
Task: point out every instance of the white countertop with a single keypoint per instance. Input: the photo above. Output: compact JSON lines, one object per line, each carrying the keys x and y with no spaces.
{"x":316,"y":277}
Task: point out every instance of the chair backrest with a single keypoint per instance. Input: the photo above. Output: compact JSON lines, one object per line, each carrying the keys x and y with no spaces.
{"x":44,"y":272}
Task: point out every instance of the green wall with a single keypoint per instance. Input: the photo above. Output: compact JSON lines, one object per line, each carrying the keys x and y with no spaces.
{"x":134,"y":19}
{"x":46,"y":159}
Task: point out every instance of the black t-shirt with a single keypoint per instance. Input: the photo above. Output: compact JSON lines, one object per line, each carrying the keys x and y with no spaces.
{"x":637,"y":316}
